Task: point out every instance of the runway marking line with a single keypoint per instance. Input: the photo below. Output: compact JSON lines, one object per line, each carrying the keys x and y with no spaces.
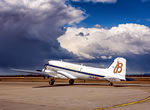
{"x":130,"y":103}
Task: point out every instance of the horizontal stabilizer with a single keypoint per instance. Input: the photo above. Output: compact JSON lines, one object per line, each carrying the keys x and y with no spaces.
{"x":130,"y":79}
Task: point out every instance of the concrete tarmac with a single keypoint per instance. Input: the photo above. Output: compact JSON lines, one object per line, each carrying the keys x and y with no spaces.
{"x":61,"y":96}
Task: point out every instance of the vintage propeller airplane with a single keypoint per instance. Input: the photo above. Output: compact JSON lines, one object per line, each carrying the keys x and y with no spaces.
{"x":64,"y":70}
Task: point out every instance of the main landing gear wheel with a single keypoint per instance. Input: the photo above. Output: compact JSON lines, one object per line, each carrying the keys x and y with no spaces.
{"x":51,"y":82}
{"x":71,"y":81}
{"x":111,"y":84}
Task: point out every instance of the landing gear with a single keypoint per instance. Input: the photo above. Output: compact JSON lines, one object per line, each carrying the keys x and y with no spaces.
{"x":111,"y":84}
{"x":71,"y":81}
{"x":51,"y":82}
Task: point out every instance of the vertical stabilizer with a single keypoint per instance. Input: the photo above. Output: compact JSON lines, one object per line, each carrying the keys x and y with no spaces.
{"x":118,"y":67}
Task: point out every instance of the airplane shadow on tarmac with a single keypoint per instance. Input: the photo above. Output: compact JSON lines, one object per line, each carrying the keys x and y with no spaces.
{"x":115,"y":85}
{"x":106,"y":85}
{"x":56,"y":85}
{"x":59,"y":85}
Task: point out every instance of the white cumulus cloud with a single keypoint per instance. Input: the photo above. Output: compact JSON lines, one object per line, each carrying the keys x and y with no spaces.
{"x":121,"y":40}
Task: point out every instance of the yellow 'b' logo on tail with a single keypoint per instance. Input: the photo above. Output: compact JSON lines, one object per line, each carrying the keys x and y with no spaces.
{"x":118,"y":68}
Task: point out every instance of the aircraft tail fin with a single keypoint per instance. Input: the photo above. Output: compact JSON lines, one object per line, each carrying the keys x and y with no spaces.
{"x":119,"y":67}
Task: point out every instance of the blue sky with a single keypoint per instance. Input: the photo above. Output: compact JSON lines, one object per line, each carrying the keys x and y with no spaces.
{"x":112,"y":14}
{"x":126,"y":18}
{"x":93,"y":32}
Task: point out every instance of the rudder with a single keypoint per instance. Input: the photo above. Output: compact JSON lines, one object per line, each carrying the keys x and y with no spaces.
{"x":118,"y":67}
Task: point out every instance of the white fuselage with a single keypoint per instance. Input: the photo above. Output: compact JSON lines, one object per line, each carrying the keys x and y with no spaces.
{"x":78,"y":71}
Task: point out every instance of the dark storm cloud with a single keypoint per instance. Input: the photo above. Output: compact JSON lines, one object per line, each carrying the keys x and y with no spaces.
{"x":136,"y":64}
{"x":29,"y":31}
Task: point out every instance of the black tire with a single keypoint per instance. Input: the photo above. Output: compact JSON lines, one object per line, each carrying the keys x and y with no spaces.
{"x":111,"y":84}
{"x":51,"y":82}
{"x":71,"y":81}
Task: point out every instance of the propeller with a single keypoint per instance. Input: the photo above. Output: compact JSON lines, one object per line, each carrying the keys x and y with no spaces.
{"x":45,"y":67}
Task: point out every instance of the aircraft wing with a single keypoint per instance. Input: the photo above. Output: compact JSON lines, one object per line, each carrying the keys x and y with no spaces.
{"x":33,"y":72}
{"x":50,"y":73}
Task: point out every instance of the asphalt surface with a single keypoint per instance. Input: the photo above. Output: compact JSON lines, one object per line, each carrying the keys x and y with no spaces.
{"x":61,"y":96}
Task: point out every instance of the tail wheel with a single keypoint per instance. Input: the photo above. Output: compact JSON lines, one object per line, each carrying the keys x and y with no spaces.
{"x":71,"y":81}
{"x":51,"y":82}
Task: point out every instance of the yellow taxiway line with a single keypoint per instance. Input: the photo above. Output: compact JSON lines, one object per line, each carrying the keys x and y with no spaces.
{"x":126,"y":104}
